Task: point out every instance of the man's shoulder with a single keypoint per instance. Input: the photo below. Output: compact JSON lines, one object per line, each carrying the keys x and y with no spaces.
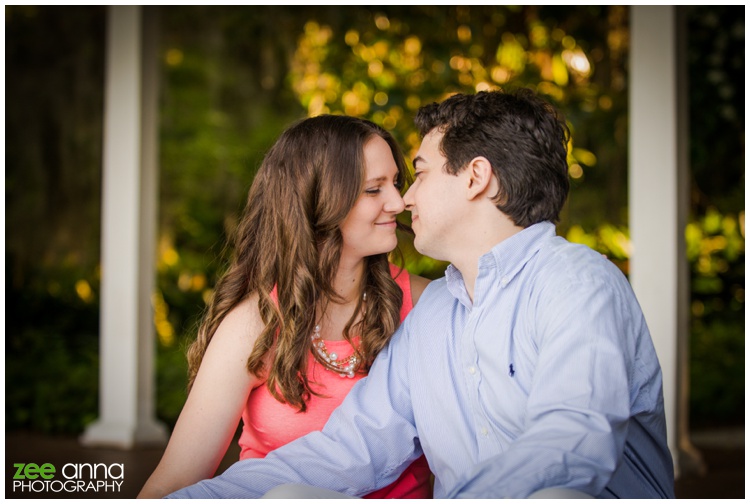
{"x":575,"y":262}
{"x":560,"y":251}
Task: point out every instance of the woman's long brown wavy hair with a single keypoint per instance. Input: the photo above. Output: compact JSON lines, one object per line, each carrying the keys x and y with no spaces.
{"x":289,"y":237}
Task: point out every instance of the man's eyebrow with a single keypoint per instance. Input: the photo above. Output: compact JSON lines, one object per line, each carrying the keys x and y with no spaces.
{"x":418,"y":158}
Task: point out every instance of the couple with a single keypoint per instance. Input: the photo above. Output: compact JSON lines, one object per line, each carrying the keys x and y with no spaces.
{"x":527,"y":368}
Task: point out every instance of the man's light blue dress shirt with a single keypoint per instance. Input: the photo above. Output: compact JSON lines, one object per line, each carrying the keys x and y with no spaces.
{"x":547,"y":379}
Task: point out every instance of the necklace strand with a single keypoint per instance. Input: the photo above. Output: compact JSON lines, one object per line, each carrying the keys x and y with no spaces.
{"x":344,"y":367}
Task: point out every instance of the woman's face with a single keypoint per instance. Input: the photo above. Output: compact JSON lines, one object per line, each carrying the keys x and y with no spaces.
{"x":370,"y":227}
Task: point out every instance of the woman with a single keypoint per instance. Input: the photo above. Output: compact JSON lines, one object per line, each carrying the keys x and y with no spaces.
{"x":305,"y":306}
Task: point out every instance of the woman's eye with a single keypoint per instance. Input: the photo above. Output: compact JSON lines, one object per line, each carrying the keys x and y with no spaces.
{"x":373,"y":191}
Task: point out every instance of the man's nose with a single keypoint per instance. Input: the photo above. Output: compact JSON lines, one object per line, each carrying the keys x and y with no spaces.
{"x":409,"y":198}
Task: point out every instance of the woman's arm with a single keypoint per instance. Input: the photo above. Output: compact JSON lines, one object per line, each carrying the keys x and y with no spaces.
{"x":418,"y":285}
{"x":368,"y":441}
{"x":213,"y":408}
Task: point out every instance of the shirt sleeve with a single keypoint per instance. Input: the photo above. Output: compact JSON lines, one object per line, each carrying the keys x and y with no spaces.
{"x":366,"y":444}
{"x":578,"y":407}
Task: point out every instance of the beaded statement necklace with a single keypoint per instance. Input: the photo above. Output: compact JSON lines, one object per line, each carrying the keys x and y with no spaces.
{"x":344,"y":367}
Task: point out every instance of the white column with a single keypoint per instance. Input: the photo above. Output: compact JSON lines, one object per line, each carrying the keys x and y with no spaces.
{"x":129,"y":196}
{"x":658,"y":198}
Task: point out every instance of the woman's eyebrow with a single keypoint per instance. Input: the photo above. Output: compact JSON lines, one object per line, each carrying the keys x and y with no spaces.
{"x":377,"y":179}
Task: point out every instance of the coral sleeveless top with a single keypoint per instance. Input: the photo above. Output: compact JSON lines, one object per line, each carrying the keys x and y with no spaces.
{"x":269,"y":424}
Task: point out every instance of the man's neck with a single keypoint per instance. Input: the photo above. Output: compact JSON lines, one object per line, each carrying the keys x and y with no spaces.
{"x":485,"y":239}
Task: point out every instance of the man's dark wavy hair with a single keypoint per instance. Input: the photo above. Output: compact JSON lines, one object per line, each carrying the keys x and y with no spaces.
{"x":524,"y":138}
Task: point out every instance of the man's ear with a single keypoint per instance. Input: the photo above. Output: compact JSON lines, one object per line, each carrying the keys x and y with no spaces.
{"x":480,"y":177}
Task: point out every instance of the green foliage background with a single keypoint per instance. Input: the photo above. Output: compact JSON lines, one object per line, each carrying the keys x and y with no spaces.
{"x":234,"y":77}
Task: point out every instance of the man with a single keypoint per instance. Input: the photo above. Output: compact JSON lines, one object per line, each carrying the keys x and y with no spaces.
{"x":529,"y":366}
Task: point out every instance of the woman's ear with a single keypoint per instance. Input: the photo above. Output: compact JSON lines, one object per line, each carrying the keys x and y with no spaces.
{"x":480,"y":177}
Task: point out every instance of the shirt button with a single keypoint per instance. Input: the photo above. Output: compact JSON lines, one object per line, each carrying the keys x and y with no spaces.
{"x":472,"y":370}
{"x":504,"y":281}
{"x":484,"y":431}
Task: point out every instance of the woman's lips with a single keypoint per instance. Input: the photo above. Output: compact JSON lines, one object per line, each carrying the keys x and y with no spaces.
{"x":386,"y":224}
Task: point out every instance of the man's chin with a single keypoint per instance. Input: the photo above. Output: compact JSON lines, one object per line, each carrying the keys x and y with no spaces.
{"x":418,"y":245}
{"x":426,"y":250}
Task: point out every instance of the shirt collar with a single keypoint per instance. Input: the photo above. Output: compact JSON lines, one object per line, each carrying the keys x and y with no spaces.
{"x":505,"y":260}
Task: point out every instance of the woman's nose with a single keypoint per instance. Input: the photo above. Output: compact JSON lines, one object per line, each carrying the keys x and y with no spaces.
{"x":394,"y":203}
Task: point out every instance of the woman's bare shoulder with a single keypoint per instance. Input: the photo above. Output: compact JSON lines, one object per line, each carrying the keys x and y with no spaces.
{"x":418,"y":285}
{"x":242,"y":323}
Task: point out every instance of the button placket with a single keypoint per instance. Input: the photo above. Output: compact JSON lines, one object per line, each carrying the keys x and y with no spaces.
{"x":472,"y":375}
